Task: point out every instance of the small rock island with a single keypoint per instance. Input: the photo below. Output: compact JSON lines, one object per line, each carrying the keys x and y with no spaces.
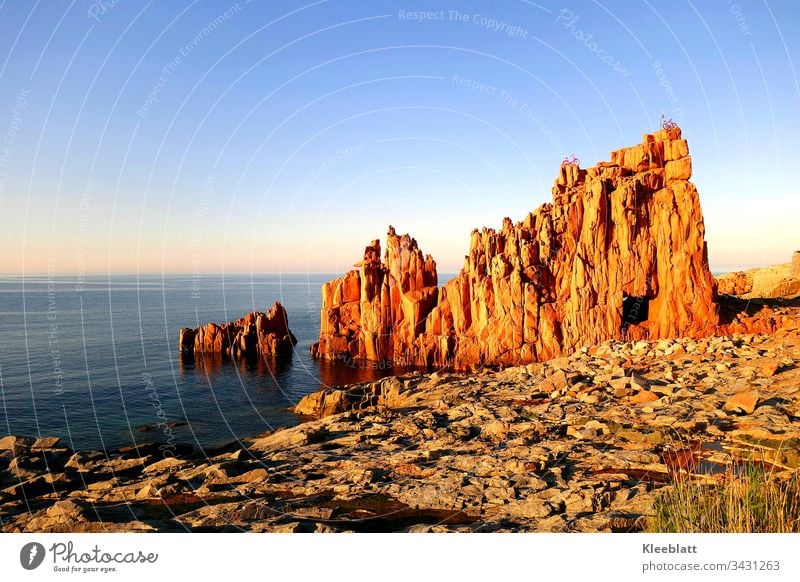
{"x":257,"y":333}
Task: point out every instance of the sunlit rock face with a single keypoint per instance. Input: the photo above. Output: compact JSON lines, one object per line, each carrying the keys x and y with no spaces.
{"x":257,"y":333}
{"x":620,"y":252}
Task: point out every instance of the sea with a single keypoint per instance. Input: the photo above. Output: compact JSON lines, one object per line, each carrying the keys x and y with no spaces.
{"x":95,"y":361}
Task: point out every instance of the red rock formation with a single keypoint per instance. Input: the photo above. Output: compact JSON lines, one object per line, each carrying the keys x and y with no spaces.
{"x":260,"y":333}
{"x":737,"y":283}
{"x":744,"y":316}
{"x":620,"y":252}
{"x":378,"y":311}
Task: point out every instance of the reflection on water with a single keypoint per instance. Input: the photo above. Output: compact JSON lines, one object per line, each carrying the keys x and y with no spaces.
{"x":339,"y":373}
{"x":213,"y":364}
{"x":276,"y":370}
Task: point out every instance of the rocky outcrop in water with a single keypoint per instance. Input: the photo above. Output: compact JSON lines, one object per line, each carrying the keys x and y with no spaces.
{"x":619,"y":253}
{"x":256,"y":333}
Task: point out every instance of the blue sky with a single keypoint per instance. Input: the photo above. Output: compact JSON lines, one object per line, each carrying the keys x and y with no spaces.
{"x":284,"y":136}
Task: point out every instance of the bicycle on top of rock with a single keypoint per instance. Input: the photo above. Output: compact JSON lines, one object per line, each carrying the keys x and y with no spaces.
{"x":667,"y":123}
{"x":570,"y":161}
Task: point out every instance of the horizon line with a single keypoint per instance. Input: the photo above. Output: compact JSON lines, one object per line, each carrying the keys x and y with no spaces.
{"x":722,"y":269}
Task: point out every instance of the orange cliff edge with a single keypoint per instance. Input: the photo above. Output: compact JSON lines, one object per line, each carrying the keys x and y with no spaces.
{"x":619,"y":254}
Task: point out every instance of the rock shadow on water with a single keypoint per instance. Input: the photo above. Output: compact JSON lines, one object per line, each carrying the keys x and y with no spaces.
{"x":278,"y":370}
{"x":215,"y":364}
{"x":342,"y":372}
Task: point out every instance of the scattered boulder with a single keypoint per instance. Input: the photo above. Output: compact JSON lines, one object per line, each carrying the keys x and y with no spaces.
{"x":288,"y":438}
{"x":168,"y":464}
{"x":15,"y":444}
{"x":643,"y":396}
{"x":769,"y":368}
{"x":323,"y":403}
{"x":387,"y":393}
{"x":742,"y":402}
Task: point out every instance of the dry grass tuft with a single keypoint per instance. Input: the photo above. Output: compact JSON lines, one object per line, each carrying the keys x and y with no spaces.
{"x":751,"y":500}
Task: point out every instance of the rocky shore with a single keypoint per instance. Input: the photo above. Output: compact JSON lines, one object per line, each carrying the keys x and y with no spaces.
{"x":580,"y":443}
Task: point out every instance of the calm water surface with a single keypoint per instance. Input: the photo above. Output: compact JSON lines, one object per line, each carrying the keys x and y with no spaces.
{"x":99,"y":365}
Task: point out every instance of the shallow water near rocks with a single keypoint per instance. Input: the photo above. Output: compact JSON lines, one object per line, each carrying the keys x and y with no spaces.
{"x":97,"y":364}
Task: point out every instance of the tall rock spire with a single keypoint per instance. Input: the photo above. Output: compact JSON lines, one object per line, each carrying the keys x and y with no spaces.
{"x":619,"y":253}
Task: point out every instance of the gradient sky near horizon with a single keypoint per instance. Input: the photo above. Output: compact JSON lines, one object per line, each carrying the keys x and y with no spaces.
{"x":283,"y":136}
